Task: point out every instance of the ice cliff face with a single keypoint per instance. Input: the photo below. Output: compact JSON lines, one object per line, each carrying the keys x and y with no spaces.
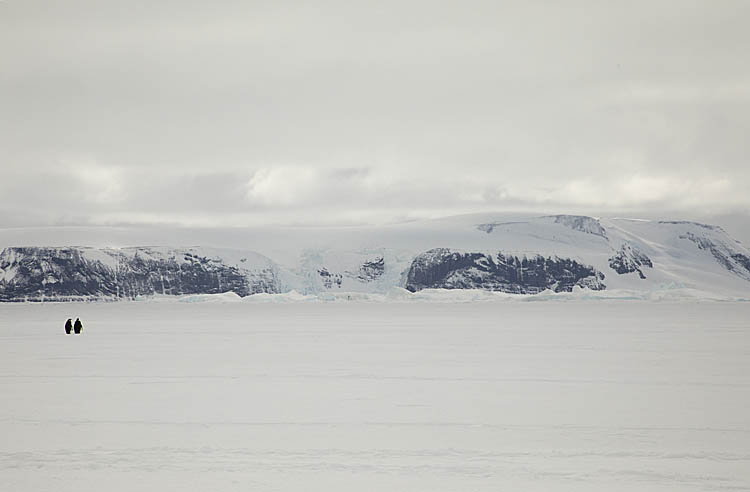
{"x":446,"y":269}
{"x":110,"y":274}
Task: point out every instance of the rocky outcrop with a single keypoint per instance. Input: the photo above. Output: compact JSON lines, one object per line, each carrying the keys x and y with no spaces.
{"x":447,"y":269}
{"x":581,"y":223}
{"x":370,"y":270}
{"x":734,"y":261}
{"x":629,"y":259}
{"x":357,"y":276}
{"x":329,"y":279}
{"x":113,"y":274}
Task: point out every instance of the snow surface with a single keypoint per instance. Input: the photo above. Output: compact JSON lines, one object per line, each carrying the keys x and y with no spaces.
{"x":387,"y":396}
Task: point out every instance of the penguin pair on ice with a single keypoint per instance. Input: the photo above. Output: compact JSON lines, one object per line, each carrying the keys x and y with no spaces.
{"x":77,"y":327}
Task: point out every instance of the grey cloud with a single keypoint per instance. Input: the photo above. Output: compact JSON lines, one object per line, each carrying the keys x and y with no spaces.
{"x":248,"y":112}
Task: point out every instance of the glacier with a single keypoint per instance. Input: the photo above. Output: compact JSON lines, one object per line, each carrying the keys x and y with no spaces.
{"x":523,"y":255}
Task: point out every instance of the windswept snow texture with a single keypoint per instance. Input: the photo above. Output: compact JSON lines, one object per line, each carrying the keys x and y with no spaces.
{"x":518,"y":396}
{"x":446,"y":269}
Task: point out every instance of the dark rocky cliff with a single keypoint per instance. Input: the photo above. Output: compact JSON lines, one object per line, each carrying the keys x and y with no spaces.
{"x":447,"y":269}
{"x":86,"y":273}
{"x":629,"y":259}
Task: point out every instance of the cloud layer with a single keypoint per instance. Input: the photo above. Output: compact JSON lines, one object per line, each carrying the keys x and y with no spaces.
{"x":235,"y":113}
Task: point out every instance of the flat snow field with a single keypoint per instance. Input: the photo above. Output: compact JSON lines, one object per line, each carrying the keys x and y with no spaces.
{"x":517,"y":396}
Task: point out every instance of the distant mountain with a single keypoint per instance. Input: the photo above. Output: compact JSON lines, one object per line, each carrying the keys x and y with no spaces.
{"x":67,"y":273}
{"x":521,"y":255}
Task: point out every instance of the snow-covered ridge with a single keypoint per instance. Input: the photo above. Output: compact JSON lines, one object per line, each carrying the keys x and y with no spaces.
{"x":581,"y":223}
{"x":491,"y":252}
{"x":691,"y":223}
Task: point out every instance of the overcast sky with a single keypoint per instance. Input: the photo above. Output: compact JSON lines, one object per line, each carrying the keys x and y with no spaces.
{"x":235,"y":113}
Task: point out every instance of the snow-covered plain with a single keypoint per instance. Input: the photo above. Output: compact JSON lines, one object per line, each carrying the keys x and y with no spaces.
{"x":484,"y":396}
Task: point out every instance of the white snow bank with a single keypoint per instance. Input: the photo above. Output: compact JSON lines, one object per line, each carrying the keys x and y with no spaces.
{"x":667,"y":292}
{"x":214,"y":298}
{"x":291,"y":296}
